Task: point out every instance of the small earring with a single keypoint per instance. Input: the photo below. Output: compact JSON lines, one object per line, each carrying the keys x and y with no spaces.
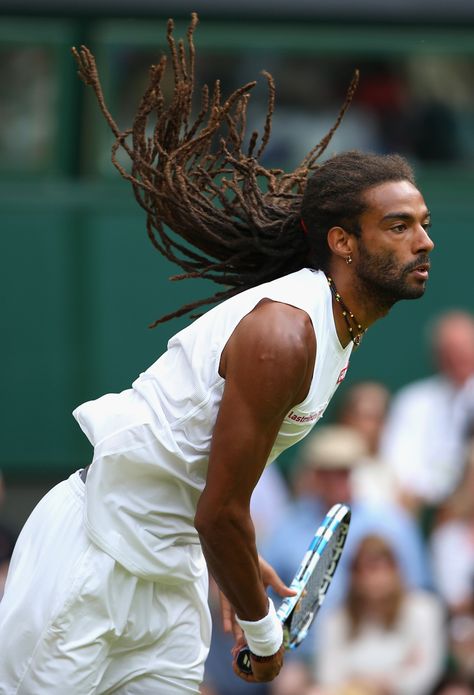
{"x":348,"y":260}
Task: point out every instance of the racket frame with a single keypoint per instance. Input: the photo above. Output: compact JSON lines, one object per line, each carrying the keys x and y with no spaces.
{"x":337,"y":519}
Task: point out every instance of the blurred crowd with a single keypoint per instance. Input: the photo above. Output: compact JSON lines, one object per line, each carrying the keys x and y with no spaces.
{"x":399,"y":616}
{"x":420,"y":105}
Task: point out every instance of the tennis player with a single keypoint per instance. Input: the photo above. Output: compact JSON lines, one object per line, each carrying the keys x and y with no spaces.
{"x":107,"y":590}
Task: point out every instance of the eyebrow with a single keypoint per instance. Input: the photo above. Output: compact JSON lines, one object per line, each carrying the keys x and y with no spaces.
{"x":402,"y":216}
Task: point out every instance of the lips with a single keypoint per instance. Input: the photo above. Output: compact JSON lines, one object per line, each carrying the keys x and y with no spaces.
{"x":422,"y":270}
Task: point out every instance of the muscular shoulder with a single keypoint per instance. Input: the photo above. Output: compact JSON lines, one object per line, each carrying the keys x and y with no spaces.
{"x":276,"y":330}
{"x":273,"y":340}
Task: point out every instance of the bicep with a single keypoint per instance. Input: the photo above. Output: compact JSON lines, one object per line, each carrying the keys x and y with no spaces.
{"x":241,"y":443}
{"x":266,"y":373}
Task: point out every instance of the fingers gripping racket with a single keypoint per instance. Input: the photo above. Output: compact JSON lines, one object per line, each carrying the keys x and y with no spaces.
{"x":311,"y":582}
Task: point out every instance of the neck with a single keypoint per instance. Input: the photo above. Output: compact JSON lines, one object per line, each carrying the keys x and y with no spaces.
{"x":355,"y":329}
{"x":356,"y":298}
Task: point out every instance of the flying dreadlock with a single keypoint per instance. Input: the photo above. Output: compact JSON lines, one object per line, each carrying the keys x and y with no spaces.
{"x":210,"y":195}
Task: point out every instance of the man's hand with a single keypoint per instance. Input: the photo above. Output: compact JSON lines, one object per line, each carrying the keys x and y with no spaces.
{"x":262,"y":671}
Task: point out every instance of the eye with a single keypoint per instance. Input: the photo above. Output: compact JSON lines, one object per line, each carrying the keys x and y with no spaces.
{"x":399,"y":227}
{"x":427,"y":226}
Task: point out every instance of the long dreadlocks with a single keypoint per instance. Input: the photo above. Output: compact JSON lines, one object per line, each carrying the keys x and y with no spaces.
{"x":240,"y":221}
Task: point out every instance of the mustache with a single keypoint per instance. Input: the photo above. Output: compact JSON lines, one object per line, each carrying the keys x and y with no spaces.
{"x":423,"y":259}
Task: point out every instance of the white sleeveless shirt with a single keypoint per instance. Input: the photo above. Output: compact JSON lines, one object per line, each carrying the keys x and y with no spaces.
{"x":152,"y":442}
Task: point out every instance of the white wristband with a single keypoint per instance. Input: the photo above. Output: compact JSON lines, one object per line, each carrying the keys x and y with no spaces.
{"x":265,"y":636}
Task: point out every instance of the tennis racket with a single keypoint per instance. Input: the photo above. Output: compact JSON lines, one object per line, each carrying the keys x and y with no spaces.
{"x":311,"y":582}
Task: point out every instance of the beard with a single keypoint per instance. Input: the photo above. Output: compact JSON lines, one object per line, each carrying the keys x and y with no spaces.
{"x":384,"y":280}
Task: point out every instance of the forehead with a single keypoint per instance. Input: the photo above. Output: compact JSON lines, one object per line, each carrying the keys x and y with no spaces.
{"x":455,"y":328}
{"x":394,"y":196}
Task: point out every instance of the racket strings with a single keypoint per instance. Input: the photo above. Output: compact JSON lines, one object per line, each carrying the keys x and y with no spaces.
{"x":315,"y":590}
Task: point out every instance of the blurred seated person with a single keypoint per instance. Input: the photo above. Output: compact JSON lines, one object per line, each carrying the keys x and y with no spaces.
{"x":364,"y":408}
{"x":385,"y":639}
{"x":461,"y":643}
{"x":453,"y":684}
{"x":269,"y":498}
{"x":452,"y":550}
{"x":322,"y":478}
{"x":452,"y":544}
{"x":422,"y":438}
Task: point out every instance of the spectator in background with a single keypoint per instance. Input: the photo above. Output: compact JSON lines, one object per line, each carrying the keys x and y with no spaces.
{"x":269,"y":499}
{"x":385,"y":639}
{"x":461,"y":644}
{"x":323,"y":478}
{"x":452,"y":549}
{"x":453,"y":684}
{"x":364,"y":408}
{"x":422,"y":440}
{"x":452,"y":544}
{"x":383,"y":93}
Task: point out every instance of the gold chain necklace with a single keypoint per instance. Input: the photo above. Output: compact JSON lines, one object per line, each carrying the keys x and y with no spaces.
{"x":347,"y":315}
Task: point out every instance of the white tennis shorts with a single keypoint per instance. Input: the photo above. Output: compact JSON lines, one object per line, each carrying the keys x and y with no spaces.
{"x":74,"y":621}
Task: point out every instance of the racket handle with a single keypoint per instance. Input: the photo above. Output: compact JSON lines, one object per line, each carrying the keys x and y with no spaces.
{"x":243,"y":661}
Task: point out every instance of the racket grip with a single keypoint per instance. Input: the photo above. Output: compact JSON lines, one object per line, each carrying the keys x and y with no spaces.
{"x":243,"y":661}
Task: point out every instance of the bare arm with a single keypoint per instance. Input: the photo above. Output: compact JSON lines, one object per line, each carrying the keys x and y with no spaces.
{"x":267,"y":365}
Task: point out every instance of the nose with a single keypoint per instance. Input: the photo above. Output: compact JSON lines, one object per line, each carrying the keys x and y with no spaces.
{"x":424,"y":243}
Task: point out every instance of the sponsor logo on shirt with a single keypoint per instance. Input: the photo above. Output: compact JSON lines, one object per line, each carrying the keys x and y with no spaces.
{"x":309,"y":417}
{"x":343,"y":373}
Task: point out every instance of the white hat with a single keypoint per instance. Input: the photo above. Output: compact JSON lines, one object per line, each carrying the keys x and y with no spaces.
{"x":334,"y":447}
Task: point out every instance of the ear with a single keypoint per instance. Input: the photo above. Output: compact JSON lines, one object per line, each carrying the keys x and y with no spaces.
{"x":340,"y":242}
